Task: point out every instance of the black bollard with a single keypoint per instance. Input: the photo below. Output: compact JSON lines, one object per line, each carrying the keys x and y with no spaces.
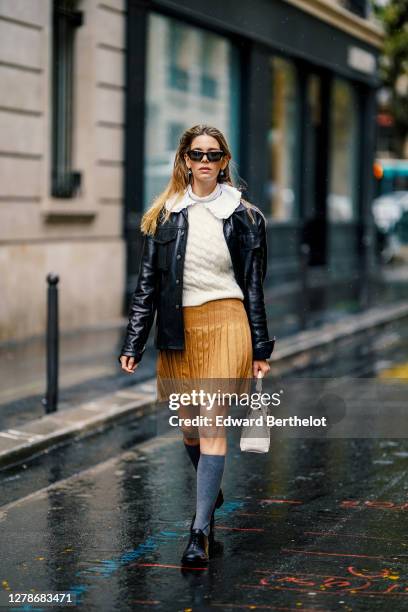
{"x":50,"y":401}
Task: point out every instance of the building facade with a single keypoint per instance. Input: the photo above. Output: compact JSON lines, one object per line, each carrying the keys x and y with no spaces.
{"x":61,"y":163}
{"x":95,"y":96}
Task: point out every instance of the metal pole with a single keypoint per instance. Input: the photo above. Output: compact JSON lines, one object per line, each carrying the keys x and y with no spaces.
{"x":51,"y":399}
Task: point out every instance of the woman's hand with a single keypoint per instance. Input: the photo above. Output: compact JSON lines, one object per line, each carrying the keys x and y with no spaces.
{"x":260,"y":366}
{"x":128,"y":364}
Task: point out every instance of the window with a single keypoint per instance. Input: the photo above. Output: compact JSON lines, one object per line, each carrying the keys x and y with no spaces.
{"x":343,"y":162}
{"x":209,"y":83}
{"x":177,"y":37}
{"x":64,"y":181}
{"x":192,"y":76}
{"x":175,"y":131}
{"x":281,"y":140}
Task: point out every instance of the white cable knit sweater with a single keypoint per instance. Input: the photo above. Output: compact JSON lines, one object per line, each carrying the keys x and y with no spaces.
{"x":208,"y":272}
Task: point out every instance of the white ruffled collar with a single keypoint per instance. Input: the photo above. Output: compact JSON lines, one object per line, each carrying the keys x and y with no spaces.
{"x":221,"y":202}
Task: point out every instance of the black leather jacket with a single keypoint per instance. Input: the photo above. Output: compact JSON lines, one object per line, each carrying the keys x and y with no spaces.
{"x":159,"y":287}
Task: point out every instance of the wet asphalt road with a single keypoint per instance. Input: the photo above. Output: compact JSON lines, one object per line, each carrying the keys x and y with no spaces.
{"x":312,"y":525}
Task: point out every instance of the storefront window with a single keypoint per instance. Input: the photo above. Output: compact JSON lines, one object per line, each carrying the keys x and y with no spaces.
{"x":192,"y":77}
{"x":281,"y":141}
{"x":343,"y":162}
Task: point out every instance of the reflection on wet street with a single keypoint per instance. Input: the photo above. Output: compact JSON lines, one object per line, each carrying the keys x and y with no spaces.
{"x":312,"y":525}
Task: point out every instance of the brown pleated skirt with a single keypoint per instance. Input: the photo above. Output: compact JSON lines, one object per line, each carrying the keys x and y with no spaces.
{"x":217,"y":346}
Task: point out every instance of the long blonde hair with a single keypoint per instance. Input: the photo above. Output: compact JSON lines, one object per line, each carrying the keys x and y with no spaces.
{"x":180,"y":178}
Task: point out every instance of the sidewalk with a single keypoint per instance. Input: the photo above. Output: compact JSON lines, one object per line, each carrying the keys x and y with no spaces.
{"x":377,"y":327}
{"x":88,"y":369}
{"x":84,"y":355}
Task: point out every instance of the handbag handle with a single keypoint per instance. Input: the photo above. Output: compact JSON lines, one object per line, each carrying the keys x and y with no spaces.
{"x":258,"y":385}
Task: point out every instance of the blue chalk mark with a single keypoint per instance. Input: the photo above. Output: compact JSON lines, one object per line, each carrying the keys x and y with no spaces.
{"x":108,"y":566}
{"x":228,"y":507}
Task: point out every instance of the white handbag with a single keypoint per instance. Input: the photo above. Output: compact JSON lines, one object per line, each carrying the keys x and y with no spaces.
{"x":256,"y":438}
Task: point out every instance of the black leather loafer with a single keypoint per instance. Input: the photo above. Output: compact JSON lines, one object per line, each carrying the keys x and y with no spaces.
{"x":211,"y":536}
{"x":218,"y":504}
{"x":196,"y":552}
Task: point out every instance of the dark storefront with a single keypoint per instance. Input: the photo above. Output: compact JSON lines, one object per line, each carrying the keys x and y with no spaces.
{"x":295,"y":97}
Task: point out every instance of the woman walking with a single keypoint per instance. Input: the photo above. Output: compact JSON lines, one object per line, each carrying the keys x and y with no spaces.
{"x":202,"y":269}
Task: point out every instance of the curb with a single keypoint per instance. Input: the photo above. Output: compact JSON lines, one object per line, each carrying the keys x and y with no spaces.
{"x":51,"y":429}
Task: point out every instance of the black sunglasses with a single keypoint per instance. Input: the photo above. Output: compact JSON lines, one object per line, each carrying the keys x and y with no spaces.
{"x":212,"y":156}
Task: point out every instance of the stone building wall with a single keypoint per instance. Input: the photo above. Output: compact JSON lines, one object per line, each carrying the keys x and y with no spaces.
{"x":77,"y":238}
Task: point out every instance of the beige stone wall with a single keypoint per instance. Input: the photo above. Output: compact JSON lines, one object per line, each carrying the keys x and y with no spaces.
{"x":79,"y":238}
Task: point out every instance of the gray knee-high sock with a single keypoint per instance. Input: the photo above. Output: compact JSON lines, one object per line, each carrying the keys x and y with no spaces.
{"x":194,"y":453}
{"x":209,"y":476}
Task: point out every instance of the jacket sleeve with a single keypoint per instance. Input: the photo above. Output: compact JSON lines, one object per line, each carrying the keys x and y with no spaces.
{"x":262,"y":345}
{"x":143,"y":305}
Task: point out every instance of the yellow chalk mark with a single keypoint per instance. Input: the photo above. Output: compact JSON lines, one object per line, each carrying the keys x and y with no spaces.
{"x":397,"y":371}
